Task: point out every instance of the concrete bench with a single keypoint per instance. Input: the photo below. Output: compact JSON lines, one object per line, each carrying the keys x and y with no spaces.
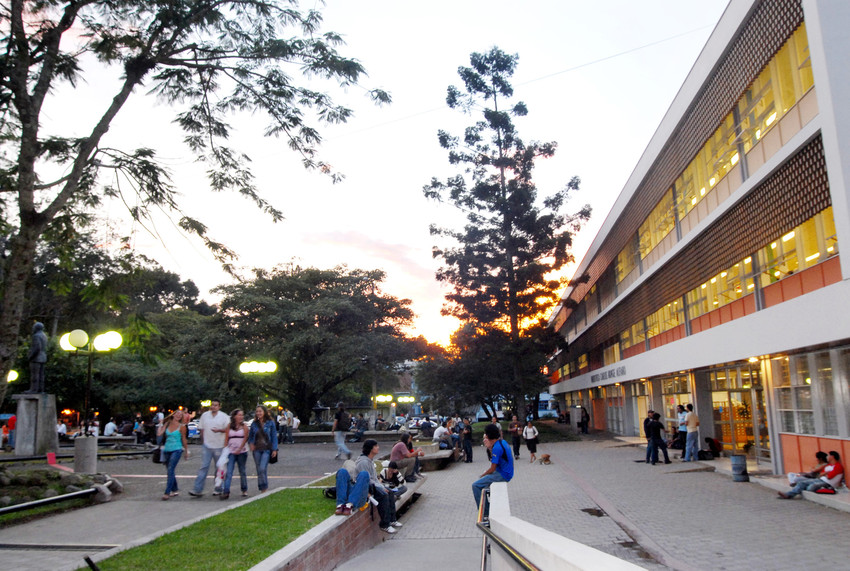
{"x":116,"y":440}
{"x":379,"y":435}
{"x":839,"y":501}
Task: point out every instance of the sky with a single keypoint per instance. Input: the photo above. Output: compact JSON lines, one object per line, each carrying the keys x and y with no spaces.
{"x":597,"y":78}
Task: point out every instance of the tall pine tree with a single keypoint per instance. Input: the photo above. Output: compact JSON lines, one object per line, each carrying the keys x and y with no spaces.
{"x":503,"y":260}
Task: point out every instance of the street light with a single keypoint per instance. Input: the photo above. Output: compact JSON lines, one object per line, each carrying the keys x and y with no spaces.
{"x":78,"y":341}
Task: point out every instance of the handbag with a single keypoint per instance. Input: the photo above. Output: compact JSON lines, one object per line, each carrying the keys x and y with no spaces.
{"x":273,"y":459}
{"x":156,"y":455}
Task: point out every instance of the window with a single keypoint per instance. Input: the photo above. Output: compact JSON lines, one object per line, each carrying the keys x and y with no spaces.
{"x":794,"y":395}
{"x":656,"y":227}
{"x":825,"y":393}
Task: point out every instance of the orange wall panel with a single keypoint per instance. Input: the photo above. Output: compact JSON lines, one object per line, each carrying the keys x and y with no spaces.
{"x":790,"y":453}
{"x":773,"y":294}
{"x":831,"y":270}
{"x":812,"y":278}
{"x":749,"y":304}
{"x":725,"y":314}
{"x":792,"y":287}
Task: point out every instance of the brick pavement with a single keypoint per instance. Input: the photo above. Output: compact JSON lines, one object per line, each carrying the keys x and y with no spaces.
{"x":677,"y":516}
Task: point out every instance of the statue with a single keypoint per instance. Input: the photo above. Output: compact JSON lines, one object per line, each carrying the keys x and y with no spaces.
{"x":37,"y":357}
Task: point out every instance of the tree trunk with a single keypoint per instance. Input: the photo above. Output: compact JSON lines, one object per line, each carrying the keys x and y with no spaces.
{"x":18,"y":268}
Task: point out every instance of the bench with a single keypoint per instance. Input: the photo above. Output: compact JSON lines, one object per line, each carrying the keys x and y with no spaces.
{"x":379,"y":435}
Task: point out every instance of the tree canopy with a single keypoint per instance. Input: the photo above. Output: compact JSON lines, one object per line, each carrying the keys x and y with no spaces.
{"x":209,"y":59}
{"x":501,"y":263}
{"x":322,"y":327}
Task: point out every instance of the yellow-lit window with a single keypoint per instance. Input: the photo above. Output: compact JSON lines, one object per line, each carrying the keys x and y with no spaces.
{"x":611,"y":354}
{"x":658,"y":224}
{"x":625,"y":262}
{"x":582,"y":361}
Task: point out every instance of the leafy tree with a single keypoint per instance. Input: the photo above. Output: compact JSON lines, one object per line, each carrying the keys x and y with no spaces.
{"x":322,"y":327}
{"x":512,"y":243}
{"x":212,"y":58}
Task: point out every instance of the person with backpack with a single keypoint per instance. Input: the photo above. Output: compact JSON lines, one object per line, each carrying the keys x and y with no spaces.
{"x":501,"y":463}
{"x":342,"y":422}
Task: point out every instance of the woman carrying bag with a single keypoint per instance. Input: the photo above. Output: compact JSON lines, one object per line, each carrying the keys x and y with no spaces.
{"x":263,"y":441}
{"x":530,"y":434}
{"x":174,"y":445}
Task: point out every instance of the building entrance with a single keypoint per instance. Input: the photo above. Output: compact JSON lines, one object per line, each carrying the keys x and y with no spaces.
{"x":737,"y":402}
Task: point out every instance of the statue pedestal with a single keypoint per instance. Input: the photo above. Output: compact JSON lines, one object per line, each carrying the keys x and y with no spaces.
{"x":36,"y":427}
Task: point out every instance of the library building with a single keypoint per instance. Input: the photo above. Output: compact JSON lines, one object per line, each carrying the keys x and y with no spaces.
{"x":716,"y":278}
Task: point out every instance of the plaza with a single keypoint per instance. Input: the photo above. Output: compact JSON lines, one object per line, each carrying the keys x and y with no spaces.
{"x":598,"y":492}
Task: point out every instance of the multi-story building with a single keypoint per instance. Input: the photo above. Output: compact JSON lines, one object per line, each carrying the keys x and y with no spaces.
{"x":716,"y":278}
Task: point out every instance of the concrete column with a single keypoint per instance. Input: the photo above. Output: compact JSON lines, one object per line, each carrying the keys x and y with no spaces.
{"x":36,"y":424}
{"x":85,"y":455}
{"x":829,"y":44}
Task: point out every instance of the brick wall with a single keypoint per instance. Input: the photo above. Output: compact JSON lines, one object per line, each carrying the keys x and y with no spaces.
{"x":359,"y":533}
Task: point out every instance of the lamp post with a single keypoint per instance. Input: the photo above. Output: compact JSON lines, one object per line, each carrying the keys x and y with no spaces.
{"x":256,"y":368}
{"x":78,"y":341}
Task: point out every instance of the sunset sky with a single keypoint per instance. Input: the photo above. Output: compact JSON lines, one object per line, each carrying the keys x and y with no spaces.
{"x":597,"y":78}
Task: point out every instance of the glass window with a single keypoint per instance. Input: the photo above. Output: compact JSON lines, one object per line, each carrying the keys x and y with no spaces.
{"x":794,"y":397}
{"x":826,"y":393}
{"x":658,"y":224}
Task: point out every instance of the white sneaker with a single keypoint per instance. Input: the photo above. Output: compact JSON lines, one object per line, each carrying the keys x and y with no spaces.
{"x":388,"y":529}
{"x":396,"y":524}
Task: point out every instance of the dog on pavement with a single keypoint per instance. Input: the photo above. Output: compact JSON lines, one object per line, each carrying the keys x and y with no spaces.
{"x":545,"y":459}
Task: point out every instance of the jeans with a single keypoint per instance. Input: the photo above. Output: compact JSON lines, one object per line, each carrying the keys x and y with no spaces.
{"x":171,"y":459}
{"x":648,"y":449}
{"x":236,"y":460}
{"x":261,"y":459}
{"x":208,"y":456}
{"x":467,"y":450}
{"x":802,"y":484}
{"x":341,"y":448}
{"x":654,"y":445}
{"x":386,"y":504}
{"x":692,"y":446}
{"x":355,"y":494}
{"x":481,"y":484}
{"x":12,"y":438}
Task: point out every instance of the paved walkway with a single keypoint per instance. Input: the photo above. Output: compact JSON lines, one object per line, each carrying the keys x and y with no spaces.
{"x":601,"y":493}
{"x":598,"y":491}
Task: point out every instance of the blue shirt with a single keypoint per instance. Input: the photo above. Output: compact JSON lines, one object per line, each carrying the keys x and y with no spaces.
{"x":503,"y":460}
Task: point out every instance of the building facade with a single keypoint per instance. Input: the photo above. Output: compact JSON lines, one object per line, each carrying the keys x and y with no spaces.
{"x":716,"y":278}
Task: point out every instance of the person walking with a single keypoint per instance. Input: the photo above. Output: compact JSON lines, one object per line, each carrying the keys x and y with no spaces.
{"x":530,"y":433}
{"x":692,"y":442}
{"x":515,"y":429}
{"x":262,"y":439}
{"x":655,"y":439}
{"x":236,"y":442}
{"x":174,"y":432}
{"x":212,"y":426}
{"x":342,"y":422}
{"x":501,"y":464}
{"x":585,"y":420}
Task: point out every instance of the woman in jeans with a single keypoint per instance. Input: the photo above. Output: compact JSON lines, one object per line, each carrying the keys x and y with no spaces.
{"x":175,"y":443}
{"x":236,"y":442}
{"x":263,"y":441}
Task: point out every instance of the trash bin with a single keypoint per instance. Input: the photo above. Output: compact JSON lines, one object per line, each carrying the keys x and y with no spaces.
{"x":739,"y":468}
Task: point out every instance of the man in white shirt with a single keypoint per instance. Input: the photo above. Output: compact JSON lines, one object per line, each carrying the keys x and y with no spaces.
{"x":443,"y":434}
{"x":212,"y":426}
{"x":111,"y":428}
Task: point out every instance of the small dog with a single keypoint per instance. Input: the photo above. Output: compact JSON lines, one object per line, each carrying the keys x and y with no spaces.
{"x":544,"y":459}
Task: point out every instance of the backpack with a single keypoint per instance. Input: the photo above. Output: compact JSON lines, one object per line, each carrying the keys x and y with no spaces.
{"x":330,"y":493}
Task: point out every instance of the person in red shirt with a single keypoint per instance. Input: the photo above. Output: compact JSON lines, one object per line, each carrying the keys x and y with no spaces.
{"x":833,"y":473}
{"x":13,"y":420}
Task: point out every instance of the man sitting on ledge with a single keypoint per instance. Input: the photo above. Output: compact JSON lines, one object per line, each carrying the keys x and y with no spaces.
{"x":832,"y":476}
{"x":501,"y":463}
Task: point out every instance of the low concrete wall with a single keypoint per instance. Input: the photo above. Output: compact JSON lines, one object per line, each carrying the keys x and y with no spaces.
{"x":333,"y":541}
{"x":544,"y":549}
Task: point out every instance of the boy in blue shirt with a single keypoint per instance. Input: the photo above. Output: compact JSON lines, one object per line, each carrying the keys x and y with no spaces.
{"x":501,"y":462}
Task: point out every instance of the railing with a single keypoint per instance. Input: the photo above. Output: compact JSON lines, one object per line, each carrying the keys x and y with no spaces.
{"x":491,"y":538}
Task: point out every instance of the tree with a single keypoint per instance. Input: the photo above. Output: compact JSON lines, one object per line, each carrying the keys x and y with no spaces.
{"x":213,"y":58}
{"x":512,"y":242}
{"x":322,"y":327}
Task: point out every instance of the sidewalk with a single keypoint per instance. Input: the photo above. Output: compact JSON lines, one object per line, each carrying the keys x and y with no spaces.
{"x":598,"y":492}
{"x":601,"y":493}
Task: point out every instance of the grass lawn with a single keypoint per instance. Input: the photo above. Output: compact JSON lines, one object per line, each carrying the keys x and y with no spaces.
{"x":237,"y":539}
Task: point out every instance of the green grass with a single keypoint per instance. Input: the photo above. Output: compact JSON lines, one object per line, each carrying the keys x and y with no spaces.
{"x":237,"y":539}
